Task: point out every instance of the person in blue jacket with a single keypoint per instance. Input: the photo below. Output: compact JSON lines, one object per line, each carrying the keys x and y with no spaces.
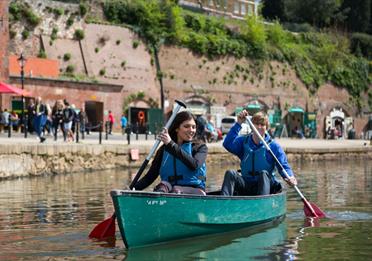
{"x":180,"y":161}
{"x":257,"y":173}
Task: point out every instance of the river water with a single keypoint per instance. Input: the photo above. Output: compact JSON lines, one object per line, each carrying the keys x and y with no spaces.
{"x":49,"y":218}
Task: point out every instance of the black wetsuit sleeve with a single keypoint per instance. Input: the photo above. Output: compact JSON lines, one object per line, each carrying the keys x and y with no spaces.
{"x":194,"y":161}
{"x":153,"y":171}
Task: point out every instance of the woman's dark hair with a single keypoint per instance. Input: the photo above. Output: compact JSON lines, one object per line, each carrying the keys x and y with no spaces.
{"x":180,"y":117}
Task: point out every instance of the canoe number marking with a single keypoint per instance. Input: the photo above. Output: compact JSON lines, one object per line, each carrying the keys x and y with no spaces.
{"x":156,"y":202}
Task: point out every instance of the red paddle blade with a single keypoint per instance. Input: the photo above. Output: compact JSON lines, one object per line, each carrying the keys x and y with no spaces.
{"x":312,"y":210}
{"x":104,"y":229}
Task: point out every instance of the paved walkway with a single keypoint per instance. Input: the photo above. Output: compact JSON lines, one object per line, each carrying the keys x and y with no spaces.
{"x":119,"y":139}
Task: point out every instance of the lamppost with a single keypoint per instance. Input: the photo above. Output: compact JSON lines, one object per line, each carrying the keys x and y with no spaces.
{"x":22,"y":62}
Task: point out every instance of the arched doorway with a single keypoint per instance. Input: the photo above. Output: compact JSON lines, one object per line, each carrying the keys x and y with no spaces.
{"x":294,"y":121}
{"x":337,"y":123}
{"x":198,"y":105}
{"x":94,"y":111}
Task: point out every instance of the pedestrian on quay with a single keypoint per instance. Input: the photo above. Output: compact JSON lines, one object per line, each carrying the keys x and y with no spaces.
{"x":180,"y":161}
{"x":39,"y":118}
{"x":111,"y":121}
{"x":124,"y":122}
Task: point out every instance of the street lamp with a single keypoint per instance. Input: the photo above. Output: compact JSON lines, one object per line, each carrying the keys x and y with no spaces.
{"x":22,"y":62}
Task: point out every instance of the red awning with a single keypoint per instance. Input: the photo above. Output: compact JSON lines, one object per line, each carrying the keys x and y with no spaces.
{"x":6,"y":88}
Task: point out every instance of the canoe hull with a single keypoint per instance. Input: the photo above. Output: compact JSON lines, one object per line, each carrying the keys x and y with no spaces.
{"x":146,"y":218}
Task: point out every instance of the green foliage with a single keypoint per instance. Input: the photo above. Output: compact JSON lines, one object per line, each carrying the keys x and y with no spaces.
{"x":42,"y":54}
{"x":53,"y":36}
{"x":79,"y":34}
{"x":254,"y":33}
{"x":25,"y":34}
{"x":83,"y":8}
{"x":19,"y":10}
{"x":361,"y":44}
{"x":58,"y":12}
{"x":67,"y":57}
{"x":70,"y":21}
{"x":316,"y":57}
{"x":70,"y":69}
{"x":135,"y":44}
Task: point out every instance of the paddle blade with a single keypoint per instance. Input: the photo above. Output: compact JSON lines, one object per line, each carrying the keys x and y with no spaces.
{"x":312,"y":210}
{"x":104,"y":229}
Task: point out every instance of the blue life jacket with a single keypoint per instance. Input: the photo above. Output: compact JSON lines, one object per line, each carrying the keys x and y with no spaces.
{"x":176,"y":172}
{"x":255,"y":160}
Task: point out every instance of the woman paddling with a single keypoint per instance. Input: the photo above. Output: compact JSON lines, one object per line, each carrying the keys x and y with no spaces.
{"x":180,"y":162}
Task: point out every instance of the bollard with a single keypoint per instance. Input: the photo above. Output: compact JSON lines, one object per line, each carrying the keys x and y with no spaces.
{"x":106,"y":130}
{"x":146,"y":131}
{"x":128,"y":130}
{"x":10,"y":130}
{"x":25,"y":125}
{"x":137,"y":130}
{"x":100,"y":132}
{"x":82,"y":128}
{"x":77,"y":128}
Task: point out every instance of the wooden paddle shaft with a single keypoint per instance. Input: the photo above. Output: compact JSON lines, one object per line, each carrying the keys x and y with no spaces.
{"x":280,"y":165}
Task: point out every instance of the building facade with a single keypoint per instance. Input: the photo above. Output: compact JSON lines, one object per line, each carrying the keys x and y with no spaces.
{"x":237,"y":9}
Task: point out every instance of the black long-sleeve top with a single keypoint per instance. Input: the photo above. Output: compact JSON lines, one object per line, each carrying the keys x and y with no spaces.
{"x":193,"y":161}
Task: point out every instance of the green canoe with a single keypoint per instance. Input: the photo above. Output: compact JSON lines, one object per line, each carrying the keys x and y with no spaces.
{"x":147,"y":218}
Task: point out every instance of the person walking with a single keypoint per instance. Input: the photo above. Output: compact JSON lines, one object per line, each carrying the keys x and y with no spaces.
{"x":111,"y":121}
{"x":257,"y":166}
{"x":124,"y":122}
{"x":40,"y":117}
{"x":68,"y":117}
{"x":180,"y":161}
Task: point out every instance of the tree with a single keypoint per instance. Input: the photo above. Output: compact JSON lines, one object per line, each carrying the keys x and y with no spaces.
{"x":358,"y":15}
{"x":319,"y":13}
{"x":273,"y":9}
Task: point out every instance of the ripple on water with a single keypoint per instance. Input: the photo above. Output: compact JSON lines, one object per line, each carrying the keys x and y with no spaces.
{"x":335,"y":215}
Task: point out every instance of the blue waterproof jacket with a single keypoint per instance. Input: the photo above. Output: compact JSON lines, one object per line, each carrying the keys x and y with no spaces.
{"x":176,"y":172}
{"x":255,"y":157}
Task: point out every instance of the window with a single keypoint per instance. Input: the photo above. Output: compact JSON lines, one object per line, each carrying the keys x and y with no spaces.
{"x":236,"y":7}
{"x":243,"y":10}
{"x":250,"y":9}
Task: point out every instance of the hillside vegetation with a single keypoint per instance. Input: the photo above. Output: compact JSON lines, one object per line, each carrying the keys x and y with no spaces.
{"x":317,"y":57}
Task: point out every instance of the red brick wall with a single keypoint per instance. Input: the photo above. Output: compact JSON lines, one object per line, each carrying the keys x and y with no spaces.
{"x":76,"y":93}
{"x":4,"y":40}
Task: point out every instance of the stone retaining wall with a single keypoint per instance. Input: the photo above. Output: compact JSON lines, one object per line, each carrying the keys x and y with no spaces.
{"x":35,"y":160}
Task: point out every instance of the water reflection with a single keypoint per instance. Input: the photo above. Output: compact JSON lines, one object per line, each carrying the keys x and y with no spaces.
{"x":50,"y":217}
{"x":258,"y":243}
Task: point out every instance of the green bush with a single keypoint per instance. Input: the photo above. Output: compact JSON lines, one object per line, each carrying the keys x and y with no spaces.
{"x":316,"y":57}
{"x":67,"y":57}
{"x":42,"y":54}
{"x":70,"y":21}
{"x":25,"y":34}
{"x":58,"y":12}
{"x":70,"y":69}
{"x":53,"y":36}
{"x":79,"y":34}
{"x":83,"y":8}
{"x":361,"y":44}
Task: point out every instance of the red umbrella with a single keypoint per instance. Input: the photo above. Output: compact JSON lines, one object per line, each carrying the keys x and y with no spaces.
{"x":6,"y":88}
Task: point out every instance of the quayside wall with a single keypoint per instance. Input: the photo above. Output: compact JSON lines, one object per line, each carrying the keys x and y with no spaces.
{"x":28,"y":160}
